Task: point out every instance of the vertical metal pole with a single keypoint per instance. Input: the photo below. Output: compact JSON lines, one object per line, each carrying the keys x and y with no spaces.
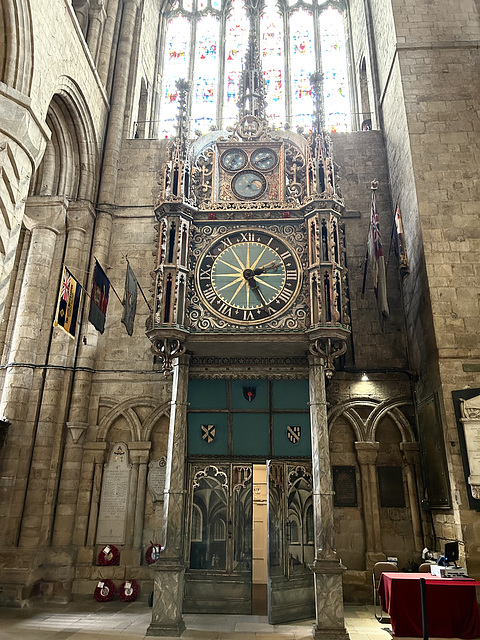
{"x":423,"y":600}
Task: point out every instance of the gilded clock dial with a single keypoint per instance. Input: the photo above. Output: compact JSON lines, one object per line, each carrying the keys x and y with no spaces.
{"x":233,"y":159}
{"x":248,"y":277}
{"x":264,"y":159}
{"x":249,"y":185}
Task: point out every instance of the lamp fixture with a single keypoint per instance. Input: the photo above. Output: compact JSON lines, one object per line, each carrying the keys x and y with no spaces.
{"x":365,"y":378}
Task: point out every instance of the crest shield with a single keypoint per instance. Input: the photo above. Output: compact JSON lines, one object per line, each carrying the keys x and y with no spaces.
{"x":249,"y":393}
{"x":208,"y":432}
{"x":294,"y":433}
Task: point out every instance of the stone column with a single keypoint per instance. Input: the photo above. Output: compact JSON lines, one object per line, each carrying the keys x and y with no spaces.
{"x":106,"y":45}
{"x":88,"y":491}
{"x":142,"y":457}
{"x":46,"y":219}
{"x":410,"y":452}
{"x":326,"y":567}
{"x":97,"y":17}
{"x":367,"y":453}
{"x":41,"y":501}
{"x":69,"y":485}
{"x":169,"y":570}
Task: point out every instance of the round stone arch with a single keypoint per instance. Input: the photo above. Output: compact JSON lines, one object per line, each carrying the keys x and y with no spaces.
{"x":69,"y":165}
{"x":16,"y":55}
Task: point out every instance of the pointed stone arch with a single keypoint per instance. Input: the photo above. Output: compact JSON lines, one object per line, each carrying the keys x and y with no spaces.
{"x":365,"y":430}
{"x":140,"y":429}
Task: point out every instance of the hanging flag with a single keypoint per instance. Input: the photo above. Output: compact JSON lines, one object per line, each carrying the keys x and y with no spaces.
{"x":129,"y":300}
{"x":99,"y":299}
{"x":68,"y":304}
{"x":399,"y":244}
{"x":377,"y":259}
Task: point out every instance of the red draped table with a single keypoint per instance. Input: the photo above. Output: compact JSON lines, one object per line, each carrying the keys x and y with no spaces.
{"x":452,"y":609}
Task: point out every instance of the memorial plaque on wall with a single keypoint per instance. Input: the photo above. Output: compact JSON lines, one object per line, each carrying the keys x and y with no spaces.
{"x":156,"y":478}
{"x":390,"y":487}
{"x":344,"y":486}
{"x":433,"y":454}
{"x":112,"y":517}
{"x":466,"y":403}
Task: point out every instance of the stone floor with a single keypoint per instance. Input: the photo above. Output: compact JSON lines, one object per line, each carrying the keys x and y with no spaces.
{"x":117,"y":621}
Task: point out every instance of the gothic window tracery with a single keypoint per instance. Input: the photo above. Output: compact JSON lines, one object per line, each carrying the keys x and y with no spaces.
{"x":205,"y":41}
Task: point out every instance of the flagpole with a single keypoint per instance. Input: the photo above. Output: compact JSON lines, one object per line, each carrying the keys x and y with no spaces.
{"x":113,"y":288}
{"x":391,"y":241}
{"x":138,"y":285}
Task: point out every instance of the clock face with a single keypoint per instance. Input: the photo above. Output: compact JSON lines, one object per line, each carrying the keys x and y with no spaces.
{"x":234,"y":159}
{"x":248,"y":277}
{"x":249,"y":185}
{"x":264,"y":159}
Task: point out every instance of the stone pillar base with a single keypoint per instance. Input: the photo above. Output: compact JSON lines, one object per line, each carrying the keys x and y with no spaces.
{"x":330,"y":621}
{"x":164,"y":630}
{"x":167,"y":619}
{"x":330,"y":634}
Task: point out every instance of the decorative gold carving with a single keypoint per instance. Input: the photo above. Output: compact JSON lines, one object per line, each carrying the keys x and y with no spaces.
{"x":167,"y":349}
{"x":328,"y":349}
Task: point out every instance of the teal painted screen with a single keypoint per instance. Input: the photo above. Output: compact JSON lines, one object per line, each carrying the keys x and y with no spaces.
{"x":258,"y":418}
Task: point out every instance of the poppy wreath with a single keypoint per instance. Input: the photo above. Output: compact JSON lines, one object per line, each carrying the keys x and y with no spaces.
{"x":152,"y":554}
{"x":109,"y":556}
{"x":128,"y":591}
{"x":104,"y":591}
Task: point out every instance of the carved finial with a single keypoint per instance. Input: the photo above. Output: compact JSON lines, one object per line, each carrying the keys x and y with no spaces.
{"x":374,"y":185}
{"x":316,"y":80}
{"x":251,"y":101}
{"x":182,"y":120}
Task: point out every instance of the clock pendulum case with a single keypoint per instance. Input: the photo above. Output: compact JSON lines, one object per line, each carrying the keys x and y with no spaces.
{"x":248,"y":276}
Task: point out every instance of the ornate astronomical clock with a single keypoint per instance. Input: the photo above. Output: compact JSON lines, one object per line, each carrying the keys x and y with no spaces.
{"x":250,"y":264}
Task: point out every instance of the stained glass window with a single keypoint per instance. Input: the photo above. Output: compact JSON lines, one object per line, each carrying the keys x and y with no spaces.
{"x":176,"y":61}
{"x":302,"y":55}
{"x":334,"y":63}
{"x":273,"y":63}
{"x":206,"y":40}
{"x":236,"y":39}
{"x":204,"y":88}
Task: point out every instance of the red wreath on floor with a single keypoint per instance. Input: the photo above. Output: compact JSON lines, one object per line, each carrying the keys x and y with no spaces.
{"x":104,"y":591}
{"x":109,"y":555}
{"x":128,"y":591}
{"x":152,"y":554}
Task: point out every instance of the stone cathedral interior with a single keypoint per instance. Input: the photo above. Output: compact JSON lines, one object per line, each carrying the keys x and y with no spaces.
{"x":289,"y":406}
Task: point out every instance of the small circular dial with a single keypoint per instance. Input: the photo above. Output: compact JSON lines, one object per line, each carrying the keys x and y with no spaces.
{"x":264,"y":159}
{"x":248,"y":277}
{"x":234,"y":159}
{"x":249,"y":185}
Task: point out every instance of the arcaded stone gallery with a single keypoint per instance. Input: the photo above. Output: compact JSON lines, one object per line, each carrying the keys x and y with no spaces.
{"x":239,"y":301}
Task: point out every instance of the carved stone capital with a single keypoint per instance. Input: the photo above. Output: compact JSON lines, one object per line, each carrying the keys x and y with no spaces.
{"x":77,"y":430}
{"x":80,"y":216}
{"x":46,"y":212}
{"x":411,"y":452}
{"x":367,"y":452}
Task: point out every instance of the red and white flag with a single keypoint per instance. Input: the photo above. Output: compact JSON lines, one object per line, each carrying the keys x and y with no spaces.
{"x":377,"y":260}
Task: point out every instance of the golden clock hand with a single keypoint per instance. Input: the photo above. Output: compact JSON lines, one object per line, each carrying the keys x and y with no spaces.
{"x":254,"y":286}
{"x":274,"y":264}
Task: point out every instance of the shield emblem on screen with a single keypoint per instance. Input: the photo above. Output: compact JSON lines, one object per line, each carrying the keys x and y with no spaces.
{"x":208,"y":433}
{"x":249,"y":393}
{"x":294,"y":433}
